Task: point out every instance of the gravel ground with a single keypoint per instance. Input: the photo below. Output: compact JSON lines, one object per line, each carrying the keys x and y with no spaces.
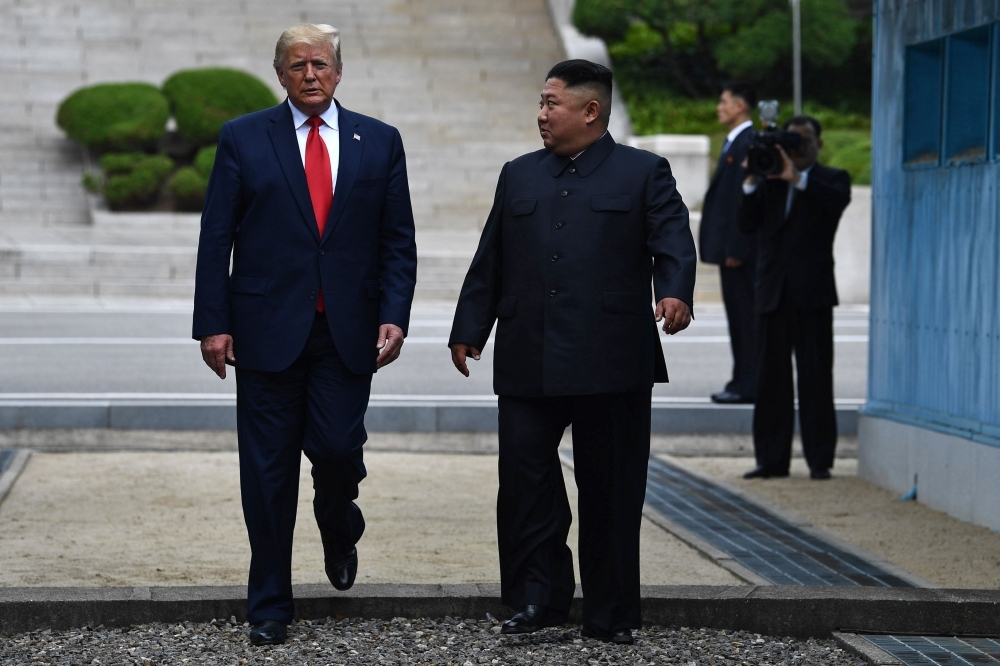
{"x":449,"y":641}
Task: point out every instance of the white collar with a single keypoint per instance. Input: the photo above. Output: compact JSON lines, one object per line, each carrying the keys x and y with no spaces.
{"x":331,"y":116}
{"x":735,"y":132}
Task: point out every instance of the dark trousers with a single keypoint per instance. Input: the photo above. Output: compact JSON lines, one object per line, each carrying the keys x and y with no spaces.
{"x":611,"y":454}
{"x":737,"y":295}
{"x":809,"y":332}
{"x":315,"y":406}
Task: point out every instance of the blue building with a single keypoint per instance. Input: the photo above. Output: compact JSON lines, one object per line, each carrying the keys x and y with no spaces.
{"x":933,"y":411}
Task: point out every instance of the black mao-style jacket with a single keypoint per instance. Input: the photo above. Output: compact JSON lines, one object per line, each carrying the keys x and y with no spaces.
{"x":566,"y":262}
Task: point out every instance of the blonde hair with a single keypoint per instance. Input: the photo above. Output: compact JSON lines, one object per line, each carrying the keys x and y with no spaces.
{"x":308,"y":33}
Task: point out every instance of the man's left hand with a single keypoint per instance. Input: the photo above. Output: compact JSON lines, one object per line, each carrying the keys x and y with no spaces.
{"x":390,"y":342}
{"x":675,"y":314}
{"x":789,"y":171}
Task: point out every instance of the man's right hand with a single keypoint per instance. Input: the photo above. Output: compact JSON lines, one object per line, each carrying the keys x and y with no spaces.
{"x":215,"y":350}
{"x":459,"y":353}
{"x":733,"y":262}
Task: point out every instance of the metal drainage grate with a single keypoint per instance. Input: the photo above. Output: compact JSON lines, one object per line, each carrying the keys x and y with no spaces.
{"x":938,"y":650}
{"x":766,"y":544}
{"x":6,"y":458}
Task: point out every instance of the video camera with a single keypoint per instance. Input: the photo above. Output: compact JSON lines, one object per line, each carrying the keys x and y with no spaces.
{"x":763,"y":158}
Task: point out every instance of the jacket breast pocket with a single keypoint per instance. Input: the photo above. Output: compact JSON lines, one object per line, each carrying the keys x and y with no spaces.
{"x":626,"y":302}
{"x":621,"y":203}
{"x":506,"y":307}
{"x":247,"y":284}
{"x":522,"y":206}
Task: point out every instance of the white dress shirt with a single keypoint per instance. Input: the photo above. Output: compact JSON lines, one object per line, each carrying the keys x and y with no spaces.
{"x":735,"y":132}
{"x":800,"y":186}
{"x":329,"y":131}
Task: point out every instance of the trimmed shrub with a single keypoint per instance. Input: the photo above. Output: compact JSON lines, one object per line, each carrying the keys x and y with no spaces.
{"x":189,"y":188}
{"x":114,"y":164}
{"x":202,"y":100}
{"x":115,"y":116}
{"x":140,"y":185}
{"x":205,"y":160}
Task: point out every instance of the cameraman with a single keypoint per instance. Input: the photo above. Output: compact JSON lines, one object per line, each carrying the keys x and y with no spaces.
{"x":795,"y":214}
{"x":721,"y":242}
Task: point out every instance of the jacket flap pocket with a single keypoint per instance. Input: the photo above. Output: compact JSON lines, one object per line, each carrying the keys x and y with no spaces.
{"x":626,"y":302}
{"x":247,"y":284}
{"x":373,"y":287}
{"x":522,"y":206}
{"x":368,"y":182}
{"x":506,"y":307}
{"x":617,"y":202}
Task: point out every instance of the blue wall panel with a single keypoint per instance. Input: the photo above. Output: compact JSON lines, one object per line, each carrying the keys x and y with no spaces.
{"x":935,"y":329}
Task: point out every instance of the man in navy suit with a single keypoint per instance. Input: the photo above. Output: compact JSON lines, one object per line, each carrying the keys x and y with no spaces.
{"x":581,"y":235}
{"x":721,"y":242}
{"x":311,"y":202}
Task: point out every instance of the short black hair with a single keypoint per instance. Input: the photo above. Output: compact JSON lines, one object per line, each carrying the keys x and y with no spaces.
{"x":799,"y":121}
{"x":586,"y":74}
{"x":744,"y":91}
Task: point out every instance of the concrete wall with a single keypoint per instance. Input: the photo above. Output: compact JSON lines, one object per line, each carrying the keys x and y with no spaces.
{"x":689,"y":159}
{"x":953,"y":474}
{"x":852,"y":248}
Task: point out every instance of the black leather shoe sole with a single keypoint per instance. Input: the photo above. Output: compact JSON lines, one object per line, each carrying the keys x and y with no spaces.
{"x":268,"y":632}
{"x":619,"y":637}
{"x":343,"y":570}
{"x":766,"y":473}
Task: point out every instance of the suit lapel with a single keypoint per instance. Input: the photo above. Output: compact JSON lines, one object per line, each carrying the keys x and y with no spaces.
{"x":286,"y":146}
{"x":347,"y":170}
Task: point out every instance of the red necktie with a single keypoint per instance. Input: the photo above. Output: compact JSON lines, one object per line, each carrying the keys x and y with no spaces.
{"x":319,"y":177}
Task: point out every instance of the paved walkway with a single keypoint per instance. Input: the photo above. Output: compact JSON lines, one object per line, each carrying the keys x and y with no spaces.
{"x":162,"y":517}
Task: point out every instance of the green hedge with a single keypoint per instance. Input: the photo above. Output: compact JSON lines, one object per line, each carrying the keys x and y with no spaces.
{"x":189,"y":184}
{"x":115,"y":116}
{"x":203,"y":99}
{"x":139,"y":185}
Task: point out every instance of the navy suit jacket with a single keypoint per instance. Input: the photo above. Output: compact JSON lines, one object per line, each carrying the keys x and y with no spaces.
{"x":567,"y":262}
{"x":795,"y":252}
{"x":719,"y":236}
{"x":258,"y":211}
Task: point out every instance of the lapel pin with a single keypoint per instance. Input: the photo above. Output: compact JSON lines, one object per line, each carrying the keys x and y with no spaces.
{"x":357,"y":137}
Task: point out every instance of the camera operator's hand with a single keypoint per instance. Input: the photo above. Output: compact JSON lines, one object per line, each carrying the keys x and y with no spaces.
{"x":789,"y":171}
{"x":733,"y":262}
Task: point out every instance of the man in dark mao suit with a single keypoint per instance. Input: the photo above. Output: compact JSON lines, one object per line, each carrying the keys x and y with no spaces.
{"x":311,"y":202}
{"x":721,"y":242}
{"x":577,"y":234}
{"x":795,"y":215}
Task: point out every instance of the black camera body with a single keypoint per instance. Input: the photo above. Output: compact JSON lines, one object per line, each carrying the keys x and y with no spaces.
{"x":763,"y":158}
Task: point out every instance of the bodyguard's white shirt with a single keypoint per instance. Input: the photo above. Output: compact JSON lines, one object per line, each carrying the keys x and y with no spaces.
{"x":329,"y":131}
{"x":736,"y":131}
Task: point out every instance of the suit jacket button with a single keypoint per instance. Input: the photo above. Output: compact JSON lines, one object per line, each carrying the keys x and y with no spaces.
{"x":312,"y":295}
{"x":552,"y":293}
{"x":572,"y":170}
{"x":322,"y":252}
{"x":559,"y":225}
{"x":555,"y":257}
{"x":564,"y":193}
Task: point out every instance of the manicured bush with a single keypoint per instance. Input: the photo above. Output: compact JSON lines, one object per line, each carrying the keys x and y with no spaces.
{"x":850,"y":150}
{"x":140,"y":185}
{"x":201,"y":100}
{"x":205,"y":160}
{"x":189,"y":188}
{"x":113,"y":164}
{"x":115,"y":116}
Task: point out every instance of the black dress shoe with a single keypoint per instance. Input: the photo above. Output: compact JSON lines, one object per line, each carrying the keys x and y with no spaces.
{"x":730,"y":398}
{"x":268,"y":632}
{"x":765,"y":472}
{"x":618,"y":636}
{"x":531,"y":618}
{"x":819,"y":474}
{"x":343,"y":570}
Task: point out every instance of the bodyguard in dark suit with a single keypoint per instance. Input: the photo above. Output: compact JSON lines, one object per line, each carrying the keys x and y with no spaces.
{"x":722,"y":243}
{"x":577,"y":234}
{"x":311,"y":202}
{"x":795,"y":215}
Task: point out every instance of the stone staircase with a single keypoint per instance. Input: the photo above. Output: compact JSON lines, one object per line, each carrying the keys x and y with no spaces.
{"x":459,"y":78}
